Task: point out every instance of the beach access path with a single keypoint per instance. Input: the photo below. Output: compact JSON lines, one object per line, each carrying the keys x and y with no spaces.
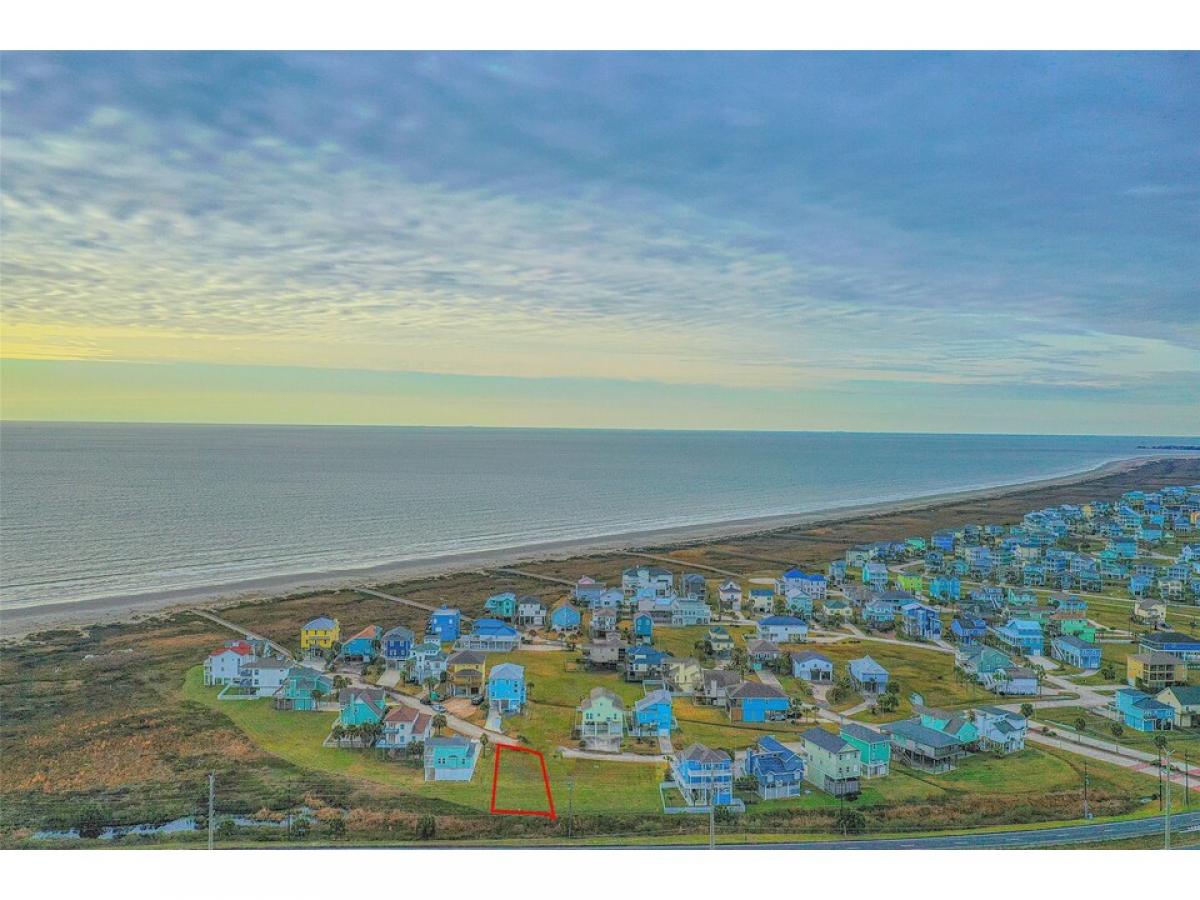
{"x":425,"y":606}
{"x":243,"y":630}
{"x":534,"y":576}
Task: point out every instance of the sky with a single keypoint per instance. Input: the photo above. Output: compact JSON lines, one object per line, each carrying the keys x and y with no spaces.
{"x":864,"y":242}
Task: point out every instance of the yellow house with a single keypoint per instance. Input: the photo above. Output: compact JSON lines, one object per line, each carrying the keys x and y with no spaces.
{"x":465,"y":672}
{"x":1153,"y":612}
{"x":320,"y":634}
{"x":1151,"y":671}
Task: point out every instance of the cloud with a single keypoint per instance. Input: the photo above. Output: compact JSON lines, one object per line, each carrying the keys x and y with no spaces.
{"x":774,"y":221}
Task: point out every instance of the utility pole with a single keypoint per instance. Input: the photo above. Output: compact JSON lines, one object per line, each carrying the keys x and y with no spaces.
{"x":570,"y":805}
{"x":1086,"y":812}
{"x":1167,"y":809}
{"x":712,"y":820}
{"x":1187,"y":784}
{"x":212,"y":796}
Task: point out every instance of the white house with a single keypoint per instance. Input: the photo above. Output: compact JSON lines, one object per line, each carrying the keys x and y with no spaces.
{"x":224,"y":665}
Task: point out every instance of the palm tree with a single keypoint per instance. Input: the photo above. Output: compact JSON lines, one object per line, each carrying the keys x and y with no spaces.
{"x":1080,"y":723}
{"x":1027,"y":710}
{"x":318,"y":695}
{"x":338,"y":733}
{"x":484,"y":740}
{"x":439,"y":723}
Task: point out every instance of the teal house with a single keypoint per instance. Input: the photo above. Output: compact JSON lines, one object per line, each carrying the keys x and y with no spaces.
{"x":502,"y":606}
{"x":956,"y":725}
{"x":450,"y":758}
{"x":361,"y":706}
{"x":874,"y":749}
{"x":298,"y":688}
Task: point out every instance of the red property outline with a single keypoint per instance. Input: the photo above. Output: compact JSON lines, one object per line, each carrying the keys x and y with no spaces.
{"x":545,"y":780}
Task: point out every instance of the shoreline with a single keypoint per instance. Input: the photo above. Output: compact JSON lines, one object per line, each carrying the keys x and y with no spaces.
{"x":17,"y":623}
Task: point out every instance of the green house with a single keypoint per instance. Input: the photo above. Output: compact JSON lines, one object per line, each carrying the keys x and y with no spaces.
{"x":874,"y":748}
{"x":913,"y":583}
{"x":297,"y":690}
{"x":1075,"y":625}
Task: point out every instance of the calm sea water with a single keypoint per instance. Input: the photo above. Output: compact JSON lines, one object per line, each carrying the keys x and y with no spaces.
{"x":91,"y":511}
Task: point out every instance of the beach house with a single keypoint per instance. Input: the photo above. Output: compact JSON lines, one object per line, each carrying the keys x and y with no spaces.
{"x":502,"y":606}
{"x":604,"y":653}
{"x":264,"y":677}
{"x":364,"y":645}
{"x":655,"y":579}
{"x":465,"y":671}
{"x":444,"y":624}
{"x":652,"y":715}
{"x":1000,"y":730}
{"x":812,"y":666}
{"x":320,"y":635}
{"x":642,"y":663}
{"x":602,"y":721}
{"x":531,"y":612}
{"x":588,"y":589}
{"x":302,"y":689}
{"x":782,"y":629}
{"x":224,"y":665}
{"x":683,"y":675}
{"x":777,"y":771}
{"x":874,"y":748}
{"x":1075,"y":652}
{"x":404,"y":726}
{"x":397,"y":646}
{"x":715,"y":686}
{"x":922,"y":747}
{"x":1023,"y":636}
{"x":1140,"y":711}
{"x":450,"y":758}
{"x":753,"y":701}
{"x":1185,"y":701}
{"x":920,"y":621}
{"x":1150,"y":612}
{"x":730,"y":595}
{"x":506,"y":688}
{"x":643,"y":628}
{"x":831,"y":763}
{"x":1183,"y":647}
{"x":968,"y":630}
{"x":426,"y":661}
{"x":1154,"y":671}
{"x":490,"y":636}
{"x":762,"y":654}
{"x":868,"y":676}
{"x":565,"y":618}
{"x":694,"y":585}
{"x":719,"y":643}
{"x":360,"y":706}
{"x":704,"y":777}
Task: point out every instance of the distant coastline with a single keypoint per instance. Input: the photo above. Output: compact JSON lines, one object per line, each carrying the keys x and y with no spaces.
{"x":16,"y":622}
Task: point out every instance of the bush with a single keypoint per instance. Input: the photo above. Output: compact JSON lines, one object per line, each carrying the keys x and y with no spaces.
{"x":426,"y":828}
{"x":850,"y":821}
{"x":93,"y":819}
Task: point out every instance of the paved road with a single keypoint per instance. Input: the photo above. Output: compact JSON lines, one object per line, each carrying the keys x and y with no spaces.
{"x":243,"y":630}
{"x":1146,"y":763}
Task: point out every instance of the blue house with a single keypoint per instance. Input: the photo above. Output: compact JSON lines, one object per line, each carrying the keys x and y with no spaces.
{"x":920,"y":621}
{"x":1075,"y":652}
{"x":868,"y":676}
{"x":1021,"y":635}
{"x":943,"y":540}
{"x":444,"y":624}
{"x":450,"y":758}
{"x":798,"y":603}
{"x":777,"y":771}
{"x":643,"y":628}
{"x":506,"y":688}
{"x":397,"y":645}
{"x":876,"y":575}
{"x":945,"y":588}
{"x":652,"y":715}
{"x":878,"y":614}
{"x":490,"y":635}
{"x":753,"y":701}
{"x":1142,"y":712}
{"x":968,"y":630}
{"x":703,"y":776}
{"x":364,"y":645}
{"x":812,"y":666}
{"x":565,"y":618}
{"x":644,"y":662}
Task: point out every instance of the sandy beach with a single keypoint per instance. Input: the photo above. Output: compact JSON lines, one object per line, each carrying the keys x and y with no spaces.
{"x":18,"y":622}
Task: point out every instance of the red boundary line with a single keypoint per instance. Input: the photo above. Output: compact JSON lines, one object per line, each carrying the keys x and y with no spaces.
{"x":550,"y":814}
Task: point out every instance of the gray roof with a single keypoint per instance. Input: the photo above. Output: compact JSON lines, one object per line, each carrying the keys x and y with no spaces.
{"x":915,"y":731}
{"x":863,"y":733}
{"x":826,"y":741}
{"x":755,"y":689}
{"x":702,"y":754}
{"x":808,"y":655}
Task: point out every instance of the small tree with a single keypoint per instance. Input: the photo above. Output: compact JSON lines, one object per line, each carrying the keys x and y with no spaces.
{"x":318,"y":695}
{"x":1080,"y":723}
{"x":484,"y":740}
{"x":1117,"y":729}
{"x":439,"y":723}
{"x":850,"y":821}
{"x":1160,"y":741}
{"x":1027,"y":710}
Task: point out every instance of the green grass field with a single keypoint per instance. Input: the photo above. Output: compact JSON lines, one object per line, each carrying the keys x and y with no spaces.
{"x":1101,"y":728}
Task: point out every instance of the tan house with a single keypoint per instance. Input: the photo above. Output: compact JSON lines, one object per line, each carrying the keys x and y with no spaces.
{"x":684,"y":676}
{"x":1185,"y":700}
{"x":1150,"y":612}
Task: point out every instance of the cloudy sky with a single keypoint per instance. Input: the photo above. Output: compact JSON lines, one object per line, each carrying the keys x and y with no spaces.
{"x":988,"y":242}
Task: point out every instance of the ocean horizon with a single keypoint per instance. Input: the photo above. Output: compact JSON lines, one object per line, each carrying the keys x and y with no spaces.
{"x":104,"y":510}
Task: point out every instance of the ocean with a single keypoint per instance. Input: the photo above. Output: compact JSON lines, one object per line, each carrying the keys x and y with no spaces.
{"x":94,"y":510}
